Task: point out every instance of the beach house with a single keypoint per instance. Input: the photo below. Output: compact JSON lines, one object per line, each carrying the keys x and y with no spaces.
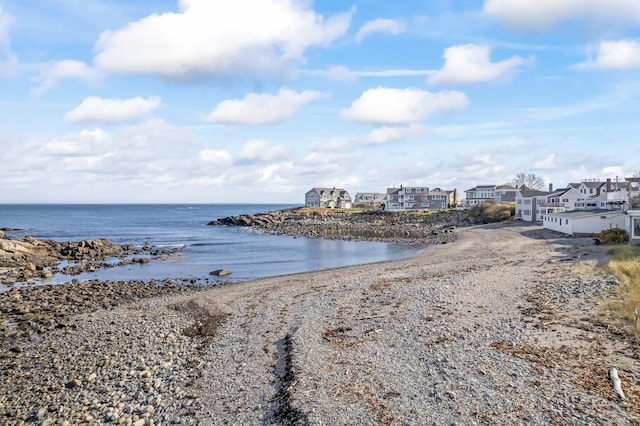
{"x":599,"y":206}
{"x":328,"y":197}
{"x":418,"y":198}
{"x":499,"y":194}
{"x":369,"y":198}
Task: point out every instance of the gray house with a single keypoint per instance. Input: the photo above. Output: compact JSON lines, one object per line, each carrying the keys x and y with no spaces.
{"x":369,"y":198}
{"x":328,"y":197}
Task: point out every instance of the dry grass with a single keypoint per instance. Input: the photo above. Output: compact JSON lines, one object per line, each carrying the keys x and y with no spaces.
{"x":587,"y":267}
{"x":625,"y":266}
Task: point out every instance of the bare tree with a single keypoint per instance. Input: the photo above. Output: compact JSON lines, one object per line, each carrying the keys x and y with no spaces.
{"x":529,"y":180}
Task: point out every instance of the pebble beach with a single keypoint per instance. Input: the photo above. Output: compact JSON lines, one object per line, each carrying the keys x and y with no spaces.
{"x":502,"y":326}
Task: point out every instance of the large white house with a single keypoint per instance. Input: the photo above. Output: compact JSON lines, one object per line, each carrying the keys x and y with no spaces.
{"x":600,"y":206}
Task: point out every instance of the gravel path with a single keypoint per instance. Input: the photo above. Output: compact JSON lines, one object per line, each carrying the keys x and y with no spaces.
{"x":495,"y":328}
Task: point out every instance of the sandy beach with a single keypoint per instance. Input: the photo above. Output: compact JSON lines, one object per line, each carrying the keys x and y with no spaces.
{"x":500,"y":327}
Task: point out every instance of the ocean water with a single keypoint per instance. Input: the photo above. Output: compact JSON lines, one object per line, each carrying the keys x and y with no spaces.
{"x":248,"y":253}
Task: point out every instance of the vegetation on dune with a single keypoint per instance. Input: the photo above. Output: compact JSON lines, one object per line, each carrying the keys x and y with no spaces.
{"x":613,"y":236}
{"x":625,"y":266}
{"x":490,"y":212}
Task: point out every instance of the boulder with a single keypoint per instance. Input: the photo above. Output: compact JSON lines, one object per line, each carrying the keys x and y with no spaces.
{"x":220,"y":272}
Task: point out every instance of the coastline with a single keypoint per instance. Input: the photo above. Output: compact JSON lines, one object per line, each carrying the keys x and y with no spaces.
{"x":494,"y":328}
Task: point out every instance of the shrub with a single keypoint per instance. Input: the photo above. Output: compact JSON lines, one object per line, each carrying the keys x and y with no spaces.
{"x":613,"y":236}
{"x":489,"y":212}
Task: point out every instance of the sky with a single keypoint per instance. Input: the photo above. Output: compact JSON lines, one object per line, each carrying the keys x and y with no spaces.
{"x":258,"y":101}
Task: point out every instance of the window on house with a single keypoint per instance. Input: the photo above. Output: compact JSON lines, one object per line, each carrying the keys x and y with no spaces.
{"x":636,"y":227}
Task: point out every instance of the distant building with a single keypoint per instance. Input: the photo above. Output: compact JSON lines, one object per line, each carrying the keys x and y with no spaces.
{"x":418,"y":198}
{"x":499,"y":194}
{"x":328,"y":197}
{"x":369,"y":198}
{"x":531,"y":205}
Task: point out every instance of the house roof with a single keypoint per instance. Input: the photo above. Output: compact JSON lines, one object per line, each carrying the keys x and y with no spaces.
{"x":528,"y":193}
{"x":590,"y":184}
{"x":340,"y":191}
{"x":374,"y":195}
{"x":481,"y":186}
{"x":560,"y":191}
{"x":576,"y":214}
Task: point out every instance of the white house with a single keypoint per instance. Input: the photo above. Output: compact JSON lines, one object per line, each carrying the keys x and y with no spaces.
{"x":563,"y":199}
{"x":601,"y":206}
{"x":584,"y":221}
{"x":633,"y":211}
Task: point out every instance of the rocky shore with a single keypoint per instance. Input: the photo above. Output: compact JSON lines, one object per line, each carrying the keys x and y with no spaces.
{"x":373,"y":225}
{"x":500,"y":326}
{"x":26,"y":259}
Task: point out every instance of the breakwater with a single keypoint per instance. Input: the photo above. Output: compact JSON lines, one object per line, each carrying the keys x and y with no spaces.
{"x":374,"y":225}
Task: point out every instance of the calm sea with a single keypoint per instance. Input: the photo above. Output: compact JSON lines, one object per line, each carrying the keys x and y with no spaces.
{"x":248,"y":253}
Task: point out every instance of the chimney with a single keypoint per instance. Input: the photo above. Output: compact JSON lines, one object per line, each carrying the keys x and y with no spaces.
{"x":608,"y":184}
{"x":551,"y":187}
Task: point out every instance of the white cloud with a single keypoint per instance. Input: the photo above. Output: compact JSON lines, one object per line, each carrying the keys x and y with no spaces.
{"x":261,"y":151}
{"x":84,"y":143}
{"x":97,"y":110}
{"x":216,"y":156}
{"x":613,"y":173}
{"x":387,"y":26}
{"x":262,"y":108}
{"x":547,"y":163}
{"x":67,"y":69}
{"x":481,"y":166}
{"x":218,"y":39}
{"x":388,"y":134}
{"x":616,"y":55}
{"x":342,"y":73}
{"x":393,"y":73}
{"x":335,"y":73}
{"x":398,"y":106}
{"x":471,"y":64}
{"x":544,"y":14}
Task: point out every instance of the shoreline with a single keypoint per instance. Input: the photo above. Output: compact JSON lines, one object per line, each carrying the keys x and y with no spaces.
{"x":494,"y":328}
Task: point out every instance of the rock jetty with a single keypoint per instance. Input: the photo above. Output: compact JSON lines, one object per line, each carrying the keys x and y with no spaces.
{"x":373,"y":225}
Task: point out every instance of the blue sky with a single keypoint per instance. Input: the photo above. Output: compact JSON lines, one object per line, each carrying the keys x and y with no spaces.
{"x":206,"y":101}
